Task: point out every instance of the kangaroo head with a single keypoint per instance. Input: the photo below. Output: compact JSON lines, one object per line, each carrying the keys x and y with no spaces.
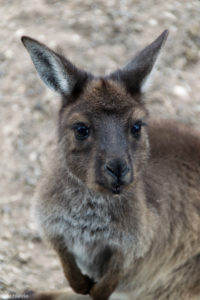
{"x":102,"y":132}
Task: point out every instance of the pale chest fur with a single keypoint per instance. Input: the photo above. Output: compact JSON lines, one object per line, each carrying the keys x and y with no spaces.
{"x":92,"y":234}
{"x":93,"y":227}
{"x":90,"y":228}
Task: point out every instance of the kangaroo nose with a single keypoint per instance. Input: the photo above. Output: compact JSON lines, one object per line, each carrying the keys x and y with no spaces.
{"x":116,"y":168}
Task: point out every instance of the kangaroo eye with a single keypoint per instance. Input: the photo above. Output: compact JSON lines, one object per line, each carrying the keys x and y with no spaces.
{"x":136,"y":128}
{"x":81,"y":131}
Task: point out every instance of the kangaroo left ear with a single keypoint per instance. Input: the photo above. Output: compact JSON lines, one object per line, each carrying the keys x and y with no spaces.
{"x":56,"y":72}
{"x":136,"y":73}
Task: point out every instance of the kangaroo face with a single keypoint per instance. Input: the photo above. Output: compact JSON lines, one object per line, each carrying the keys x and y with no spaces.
{"x":102,"y":135}
{"x":104,"y":138}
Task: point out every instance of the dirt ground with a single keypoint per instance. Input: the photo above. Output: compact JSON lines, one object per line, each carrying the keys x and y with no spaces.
{"x":96,"y":35}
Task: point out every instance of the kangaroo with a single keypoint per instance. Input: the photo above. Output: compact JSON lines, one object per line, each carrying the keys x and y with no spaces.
{"x":120,"y":203}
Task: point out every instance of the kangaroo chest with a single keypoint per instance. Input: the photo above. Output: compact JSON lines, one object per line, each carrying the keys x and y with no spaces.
{"x":92,"y":236}
{"x":92,"y":250}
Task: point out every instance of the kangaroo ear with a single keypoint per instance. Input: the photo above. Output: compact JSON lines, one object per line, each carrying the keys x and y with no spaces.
{"x":57,"y":73}
{"x":136,"y":73}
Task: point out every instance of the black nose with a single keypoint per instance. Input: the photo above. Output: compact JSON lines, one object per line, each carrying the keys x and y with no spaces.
{"x":117,"y":169}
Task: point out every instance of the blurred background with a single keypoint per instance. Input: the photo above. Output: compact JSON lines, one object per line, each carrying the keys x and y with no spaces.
{"x":98,"y":36}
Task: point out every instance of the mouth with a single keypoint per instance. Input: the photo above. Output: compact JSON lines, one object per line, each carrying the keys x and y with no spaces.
{"x":117,"y":189}
{"x":114,"y":189}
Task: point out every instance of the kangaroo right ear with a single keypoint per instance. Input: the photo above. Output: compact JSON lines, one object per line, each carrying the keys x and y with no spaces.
{"x":136,"y":73}
{"x":57,"y":73}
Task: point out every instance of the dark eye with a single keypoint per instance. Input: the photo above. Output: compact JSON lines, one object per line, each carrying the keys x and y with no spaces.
{"x":81,"y":131}
{"x":136,"y":128}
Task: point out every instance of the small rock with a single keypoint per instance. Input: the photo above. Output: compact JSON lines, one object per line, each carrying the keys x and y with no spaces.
{"x":180,"y":91}
{"x":7,"y":129}
{"x":19,"y":32}
{"x":76,"y":38}
{"x":138,"y":27}
{"x":9,"y":54}
{"x":153,"y":22}
{"x":23,"y":257}
{"x":180,"y":62}
{"x":192,"y":54}
{"x":7,"y":235}
{"x":170,"y":16}
{"x":194,"y":30}
{"x":33,"y":156}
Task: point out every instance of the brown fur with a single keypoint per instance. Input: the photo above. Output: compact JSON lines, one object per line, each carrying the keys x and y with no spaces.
{"x":141,"y":239}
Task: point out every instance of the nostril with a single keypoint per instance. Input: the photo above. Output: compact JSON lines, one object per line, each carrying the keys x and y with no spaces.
{"x":125,"y":170}
{"x":111,"y":171}
{"x":116,"y":169}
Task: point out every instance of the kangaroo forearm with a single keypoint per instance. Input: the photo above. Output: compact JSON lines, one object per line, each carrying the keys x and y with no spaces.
{"x":79,"y":282}
{"x":103,"y":289}
{"x":106,"y":286}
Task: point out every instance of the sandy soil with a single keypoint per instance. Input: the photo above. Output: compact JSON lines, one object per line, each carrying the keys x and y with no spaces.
{"x":96,"y":35}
